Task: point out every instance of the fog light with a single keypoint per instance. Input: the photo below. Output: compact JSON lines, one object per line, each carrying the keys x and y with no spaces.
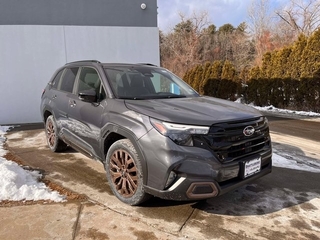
{"x":171,"y":178}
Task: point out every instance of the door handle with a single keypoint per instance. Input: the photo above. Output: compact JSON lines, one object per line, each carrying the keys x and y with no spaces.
{"x":72,"y":103}
{"x":54,"y":96}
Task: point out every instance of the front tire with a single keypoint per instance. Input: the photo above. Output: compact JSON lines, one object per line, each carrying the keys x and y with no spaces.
{"x":124,"y":173}
{"x":54,"y":143}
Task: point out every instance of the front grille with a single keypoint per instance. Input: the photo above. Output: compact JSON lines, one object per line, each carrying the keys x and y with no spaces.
{"x":228,"y":142}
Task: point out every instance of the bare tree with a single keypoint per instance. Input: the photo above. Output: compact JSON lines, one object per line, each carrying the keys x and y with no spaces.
{"x":261,"y":22}
{"x":243,"y":52}
{"x":302,"y":16}
{"x":183,"y":43}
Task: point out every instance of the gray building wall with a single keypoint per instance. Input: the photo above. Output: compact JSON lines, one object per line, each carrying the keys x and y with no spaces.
{"x":79,"y":12}
{"x":32,"y":46}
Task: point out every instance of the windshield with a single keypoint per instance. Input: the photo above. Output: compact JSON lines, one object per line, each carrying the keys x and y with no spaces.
{"x":145,"y":82}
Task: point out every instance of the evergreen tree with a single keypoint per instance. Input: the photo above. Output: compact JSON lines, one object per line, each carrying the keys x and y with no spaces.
{"x":228,"y":71}
{"x":205,"y":75}
{"x":211,"y":29}
{"x":242,"y":27}
{"x":208,"y":72}
{"x":266,"y":68}
{"x":184,"y":27}
{"x":311,"y":55}
{"x":192,"y":76}
{"x":296,"y":57}
{"x":186,"y":76}
{"x":281,"y":63}
{"x":226,"y":28}
{"x":244,"y":74}
{"x":198,"y":78}
{"x":255,"y":73}
{"x":216,"y":70}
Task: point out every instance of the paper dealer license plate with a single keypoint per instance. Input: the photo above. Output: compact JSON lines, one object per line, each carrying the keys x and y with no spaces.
{"x":252,"y":167}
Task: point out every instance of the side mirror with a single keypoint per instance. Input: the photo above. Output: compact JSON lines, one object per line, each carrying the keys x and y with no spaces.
{"x":88,"y":95}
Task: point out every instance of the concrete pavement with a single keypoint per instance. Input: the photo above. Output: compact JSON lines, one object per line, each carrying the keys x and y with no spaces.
{"x":72,"y":221}
{"x":278,"y":206}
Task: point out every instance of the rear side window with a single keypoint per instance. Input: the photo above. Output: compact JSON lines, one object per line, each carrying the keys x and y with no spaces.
{"x":68,"y":79}
{"x":56,"y":80}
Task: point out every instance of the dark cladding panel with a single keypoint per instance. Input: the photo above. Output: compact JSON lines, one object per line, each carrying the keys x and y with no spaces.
{"x":79,"y":12}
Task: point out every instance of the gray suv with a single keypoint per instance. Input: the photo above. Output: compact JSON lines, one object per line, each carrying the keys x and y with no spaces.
{"x":154,"y":134}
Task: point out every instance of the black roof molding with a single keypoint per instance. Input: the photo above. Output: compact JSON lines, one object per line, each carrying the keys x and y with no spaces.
{"x":84,"y":61}
{"x":148,"y":64}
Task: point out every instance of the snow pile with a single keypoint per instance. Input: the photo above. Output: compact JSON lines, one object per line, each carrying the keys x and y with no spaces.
{"x":18,"y":184}
{"x":280,"y":111}
{"x":282,"y":162}
{"x":3,"y":130}
{"x":285,"y":111}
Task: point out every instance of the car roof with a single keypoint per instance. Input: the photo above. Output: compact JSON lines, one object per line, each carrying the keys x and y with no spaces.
{"x":93,"y":62}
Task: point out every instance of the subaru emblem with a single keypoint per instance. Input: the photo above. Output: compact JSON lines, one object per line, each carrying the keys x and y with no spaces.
{"x":248,"y":131}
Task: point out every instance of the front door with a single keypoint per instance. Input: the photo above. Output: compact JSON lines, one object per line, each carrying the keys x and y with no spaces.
{"x":86,"y":117}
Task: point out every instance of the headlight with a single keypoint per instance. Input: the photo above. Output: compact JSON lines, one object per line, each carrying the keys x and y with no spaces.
{"x":179,"y":133}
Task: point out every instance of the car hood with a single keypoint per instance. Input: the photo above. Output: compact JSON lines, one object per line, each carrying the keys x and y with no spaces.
{"x":197,"y":111}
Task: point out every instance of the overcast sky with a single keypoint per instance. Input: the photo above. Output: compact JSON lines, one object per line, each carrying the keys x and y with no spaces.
{"x":220,"y":11}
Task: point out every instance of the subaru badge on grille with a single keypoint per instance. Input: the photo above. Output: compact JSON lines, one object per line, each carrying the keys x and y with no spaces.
{"x":248,"y":131}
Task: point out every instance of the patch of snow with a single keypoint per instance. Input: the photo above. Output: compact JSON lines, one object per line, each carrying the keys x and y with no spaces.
{"x":285,"y":111}
{"x":282,"y":162}
{"x":18,"y":184}
{"x":3,"y":130}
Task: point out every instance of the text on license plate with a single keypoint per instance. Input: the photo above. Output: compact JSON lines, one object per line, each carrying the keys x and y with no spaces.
{"x":251,"y":167}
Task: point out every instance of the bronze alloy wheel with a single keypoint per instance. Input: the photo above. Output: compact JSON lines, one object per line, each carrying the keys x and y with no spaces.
{"x":54,"y":143}
{"x":124,"y":173}
{"x":51,"y":134}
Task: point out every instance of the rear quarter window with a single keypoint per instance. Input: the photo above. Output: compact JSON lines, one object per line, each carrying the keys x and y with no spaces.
{"x":69,"y":77}
{"x":56,"y":80}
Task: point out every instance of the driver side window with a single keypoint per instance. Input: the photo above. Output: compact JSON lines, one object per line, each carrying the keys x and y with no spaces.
{"x":89,"y":80}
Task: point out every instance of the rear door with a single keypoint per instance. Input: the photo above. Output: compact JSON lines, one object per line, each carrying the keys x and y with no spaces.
{"x":62,"y":89}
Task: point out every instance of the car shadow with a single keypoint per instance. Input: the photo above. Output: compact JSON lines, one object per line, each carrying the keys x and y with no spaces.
{"x":271,"y":194}
{"x":156,"y":202}
{"x":283,"y":188}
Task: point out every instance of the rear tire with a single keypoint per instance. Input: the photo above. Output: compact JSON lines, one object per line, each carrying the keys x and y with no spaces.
{"x":53,"y":141}
{"x":124,"y":173}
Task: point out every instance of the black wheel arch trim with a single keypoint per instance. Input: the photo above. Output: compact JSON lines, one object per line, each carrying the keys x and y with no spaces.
{"x":126,"y":133}
{"x":47,"y":109}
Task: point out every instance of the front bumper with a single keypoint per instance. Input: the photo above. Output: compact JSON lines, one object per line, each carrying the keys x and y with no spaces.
{"x":197,"y":188}
{"x":199,"y":174}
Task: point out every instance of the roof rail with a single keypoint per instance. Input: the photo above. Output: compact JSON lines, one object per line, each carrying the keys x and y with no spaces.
{"x":148,"y":64}
{"x":96,"y":61}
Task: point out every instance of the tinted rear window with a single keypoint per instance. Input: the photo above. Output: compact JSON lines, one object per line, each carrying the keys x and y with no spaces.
{"x":56,"y":80}
{"x":68,"y":79}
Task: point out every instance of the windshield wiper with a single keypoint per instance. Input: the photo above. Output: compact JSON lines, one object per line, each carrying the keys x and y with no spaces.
{"x":153,"y":97}
{"x":176,"y":96}
{"x":134,"y":98}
